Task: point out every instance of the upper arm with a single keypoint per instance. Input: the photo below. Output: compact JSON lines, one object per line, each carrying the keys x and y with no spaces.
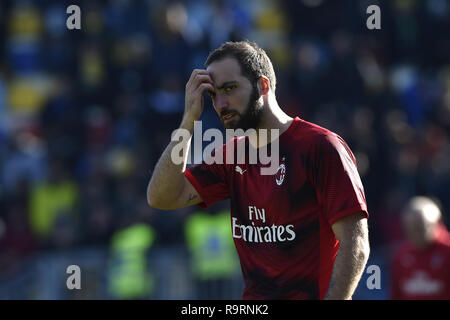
{"x":352,"y":230}
{"x":336,"y":179}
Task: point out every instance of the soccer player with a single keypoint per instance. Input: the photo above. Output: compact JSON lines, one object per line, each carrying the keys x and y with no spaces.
{"x":421,"y":266}
{"x":300,"y":233}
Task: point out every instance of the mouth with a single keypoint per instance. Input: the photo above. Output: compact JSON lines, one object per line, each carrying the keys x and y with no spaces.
{"x":229,"y":116}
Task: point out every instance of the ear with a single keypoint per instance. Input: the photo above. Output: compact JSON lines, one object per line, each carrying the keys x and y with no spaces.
{"x":263,"y":86}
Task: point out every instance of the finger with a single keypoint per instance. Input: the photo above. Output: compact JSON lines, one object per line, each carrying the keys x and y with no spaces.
{"x":194,"y":83}
{"x":196,"y":72}
{"x":205,"y":86}
{"x":200,"y":71}
{"x":202,"y":78}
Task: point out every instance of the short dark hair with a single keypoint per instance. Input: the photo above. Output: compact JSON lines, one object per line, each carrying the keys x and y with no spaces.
{"x":252,"y":59}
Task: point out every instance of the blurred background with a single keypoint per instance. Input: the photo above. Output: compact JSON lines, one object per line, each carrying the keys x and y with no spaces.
{"x":85,"y":114}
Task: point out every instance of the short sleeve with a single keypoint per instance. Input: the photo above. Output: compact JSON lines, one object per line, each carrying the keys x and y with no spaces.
{"x":210,"y":181}
{"x":336,"y":179}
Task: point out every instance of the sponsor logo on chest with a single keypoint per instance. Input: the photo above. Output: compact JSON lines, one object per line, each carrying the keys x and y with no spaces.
{"x":422,"y":283}
{"x":261,"y":233}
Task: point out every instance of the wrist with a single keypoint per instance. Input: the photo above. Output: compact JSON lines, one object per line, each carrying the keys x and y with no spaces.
{"x":187,"y":123}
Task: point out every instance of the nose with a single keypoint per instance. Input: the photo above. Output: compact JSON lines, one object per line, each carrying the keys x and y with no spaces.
{"x":220,"y":103}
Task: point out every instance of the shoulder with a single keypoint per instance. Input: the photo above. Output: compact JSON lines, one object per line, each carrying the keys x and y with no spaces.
{"x":319,"y":140}
{"x":444,"y":245}
{"x":442,"y":251}
{"x":308,"y":132}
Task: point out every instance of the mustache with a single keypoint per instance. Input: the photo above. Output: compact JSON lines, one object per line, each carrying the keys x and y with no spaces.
{"x":226,"y":112}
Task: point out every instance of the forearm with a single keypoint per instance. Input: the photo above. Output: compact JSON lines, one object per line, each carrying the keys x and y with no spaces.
{"x":348,"y":268}
{"x":166,"y":181}
{"x":167,"y":184}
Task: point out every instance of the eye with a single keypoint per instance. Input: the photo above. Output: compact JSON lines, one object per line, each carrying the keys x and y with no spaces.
{"x":211,"y":94}
{"x":228,"y":89}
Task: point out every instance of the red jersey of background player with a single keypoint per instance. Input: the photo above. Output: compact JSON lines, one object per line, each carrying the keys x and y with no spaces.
{"x":281,"y":223}
{"x":422,"y":274}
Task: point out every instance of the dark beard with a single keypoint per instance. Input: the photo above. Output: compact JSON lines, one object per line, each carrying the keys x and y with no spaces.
{"x":252,"y":116}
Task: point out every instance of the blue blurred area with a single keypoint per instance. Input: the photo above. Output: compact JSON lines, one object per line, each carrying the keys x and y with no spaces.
{"x":85,"y":114}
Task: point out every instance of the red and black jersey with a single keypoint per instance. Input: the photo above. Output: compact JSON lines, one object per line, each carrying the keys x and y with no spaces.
{"x":422,"y":273}
{"x":281,"y":223}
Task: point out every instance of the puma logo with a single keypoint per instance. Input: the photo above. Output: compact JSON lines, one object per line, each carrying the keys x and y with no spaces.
{"x":238,"y":169}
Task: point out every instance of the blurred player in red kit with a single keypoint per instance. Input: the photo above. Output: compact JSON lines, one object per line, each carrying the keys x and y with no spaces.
{"x":300,"y":233}
{"x":421,"y":266}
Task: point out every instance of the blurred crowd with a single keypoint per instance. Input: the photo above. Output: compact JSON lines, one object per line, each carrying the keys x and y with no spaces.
{"x":85,"y":114}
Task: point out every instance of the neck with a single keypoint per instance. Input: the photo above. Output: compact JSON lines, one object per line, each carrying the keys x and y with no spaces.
{"x":272,"y":118}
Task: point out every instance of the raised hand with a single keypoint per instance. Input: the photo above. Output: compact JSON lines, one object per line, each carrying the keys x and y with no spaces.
{"x":197,"y":84}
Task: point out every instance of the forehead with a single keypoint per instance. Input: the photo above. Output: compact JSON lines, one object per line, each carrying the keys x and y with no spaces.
{"x":415,"y":217}
{"x":428,"y":213}
{"x":226,"y":69}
